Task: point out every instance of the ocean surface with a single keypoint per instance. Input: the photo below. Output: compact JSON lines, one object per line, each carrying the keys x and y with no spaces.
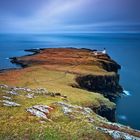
{"x":122,"y":47}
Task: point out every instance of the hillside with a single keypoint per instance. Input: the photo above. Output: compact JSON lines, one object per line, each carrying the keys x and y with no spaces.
{"x":61,"y":94}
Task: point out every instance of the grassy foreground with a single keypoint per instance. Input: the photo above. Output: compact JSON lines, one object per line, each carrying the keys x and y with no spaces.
{"x":16,"y":123}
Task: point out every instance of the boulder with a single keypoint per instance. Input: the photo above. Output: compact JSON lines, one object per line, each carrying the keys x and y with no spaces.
{"x":40,"y":111}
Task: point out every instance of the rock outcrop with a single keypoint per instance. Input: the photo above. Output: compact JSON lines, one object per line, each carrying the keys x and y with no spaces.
{"x":105,"y":111}
{"x":10,"y":103}
{"x":108,"y":85}
{"x":40,"y":111}
{"x":116,"y":131}
{"x":117,"y":135}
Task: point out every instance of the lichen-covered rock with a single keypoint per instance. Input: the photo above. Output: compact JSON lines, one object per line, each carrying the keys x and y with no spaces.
{"x":30,"y":96}
{"x":29,"y":90}
{"x":40,"y":111}
{"x":85,"y":110}
{"x":3,"y":86}
{"x":66,"y":110}
{"x":12,"y":92}
{"x":117,"y":135}
{"x":37,"y":113}
{"x":73,"y":110}
{"x":10,"y":103}
{"x":6,"y":97}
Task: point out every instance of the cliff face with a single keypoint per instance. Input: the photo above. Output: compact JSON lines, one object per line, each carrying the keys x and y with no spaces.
{"x":106,"y":85}
{"x":111,"y":66}
{"x":104,"y":111}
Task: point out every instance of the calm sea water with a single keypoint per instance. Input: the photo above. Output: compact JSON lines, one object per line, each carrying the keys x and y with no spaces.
{"x":124,"y":48}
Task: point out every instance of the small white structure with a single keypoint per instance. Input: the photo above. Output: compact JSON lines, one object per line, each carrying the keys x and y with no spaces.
{"x":104,"y":51}
{"x":100,"y":52}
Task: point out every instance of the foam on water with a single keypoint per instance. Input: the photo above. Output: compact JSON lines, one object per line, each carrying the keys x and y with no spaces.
{"x":127,"y":93}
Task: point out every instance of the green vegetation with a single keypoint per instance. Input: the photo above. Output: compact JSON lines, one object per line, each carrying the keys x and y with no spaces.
{"x":55,"y":70}
{"x":16,"y":123}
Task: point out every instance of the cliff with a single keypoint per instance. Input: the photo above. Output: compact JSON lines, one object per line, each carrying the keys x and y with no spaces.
{"x":104,"y":84}
{"x":96,"y":73}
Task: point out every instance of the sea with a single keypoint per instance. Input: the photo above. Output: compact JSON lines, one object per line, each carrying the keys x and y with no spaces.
{"x":122,"y":47}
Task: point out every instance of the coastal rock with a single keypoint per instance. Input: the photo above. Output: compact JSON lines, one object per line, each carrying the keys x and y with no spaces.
{"x":30,"y":96}
{"x":40,"y":111}
{"x":117,"y":135}
{"x":6,"y":97}
{"x":4,"y":86}
{"x":72,"y":110}
{"x":104,"y":111}
{"x":67,"y":110}
{"x":12,"y":92}
{"x":18,"y":62}
{"x":37,"y":113}
{"x":106,"y":85}
{"x":29,"y":90}
{"x":111,"y":66}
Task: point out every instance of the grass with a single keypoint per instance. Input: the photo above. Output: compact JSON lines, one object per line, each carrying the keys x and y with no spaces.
{"x":17,"y":124}
{"x":56,"y":81}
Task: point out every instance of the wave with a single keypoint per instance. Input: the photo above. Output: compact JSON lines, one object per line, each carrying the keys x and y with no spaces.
{"x":127,"y":93}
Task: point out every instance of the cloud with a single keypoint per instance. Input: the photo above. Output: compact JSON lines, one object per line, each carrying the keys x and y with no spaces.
{"x":48,"y":15}
{"x":69,"y":15}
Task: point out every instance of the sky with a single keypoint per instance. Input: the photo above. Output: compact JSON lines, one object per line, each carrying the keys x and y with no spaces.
{"x":46,"y":16}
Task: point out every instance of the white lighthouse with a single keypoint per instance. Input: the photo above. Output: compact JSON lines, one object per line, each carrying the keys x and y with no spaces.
{"x":104,"y":51}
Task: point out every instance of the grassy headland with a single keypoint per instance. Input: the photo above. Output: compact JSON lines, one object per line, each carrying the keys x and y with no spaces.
{"x":57,"y":70}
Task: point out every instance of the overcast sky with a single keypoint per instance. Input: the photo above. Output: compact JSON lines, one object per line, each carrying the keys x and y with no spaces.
{"x":69,"y":16}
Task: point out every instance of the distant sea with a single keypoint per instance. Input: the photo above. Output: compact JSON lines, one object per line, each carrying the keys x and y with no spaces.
{"x":122,"y":47}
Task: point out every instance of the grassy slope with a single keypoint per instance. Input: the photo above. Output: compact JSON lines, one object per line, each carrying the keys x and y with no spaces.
{"x":54,"y":81}
{"x":18,"y":124}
